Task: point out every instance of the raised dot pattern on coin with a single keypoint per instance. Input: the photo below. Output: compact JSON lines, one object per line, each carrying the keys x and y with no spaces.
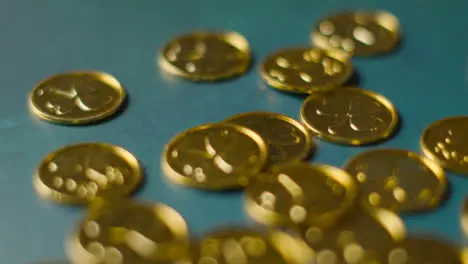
{"x":365,"y":236}
{"x":239,"y":245}
{"x":206,"y":56}
{"x":305,"y":70}
{"x":446,"y":143}
{"x":287,"y":139}
{"x":299,"y":193}
{"x":78,"y":173}
{"x":77,"y":97}
{"x":215,"y":156}
{"x":398,"y":180}
{"x":424,"y":250}
{"x":358,"y":33}
{"x":349,"y":116}
{"x":128,"y":232}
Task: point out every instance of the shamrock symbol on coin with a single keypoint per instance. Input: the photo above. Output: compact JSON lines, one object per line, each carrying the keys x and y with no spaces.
{"x":361,"y":114}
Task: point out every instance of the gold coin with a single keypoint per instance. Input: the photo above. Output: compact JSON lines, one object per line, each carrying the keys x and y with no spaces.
{"x":214,"y":156}
{"x":445,"y":142}
{"x":358,"y":33}
{"x":364,"y":236}
{"x":206,"y":56}
{"x":398,"y":180}
{"x":246,"y":246}
{"x":125,"y":231}
{"x":306,"y":70}
{"x":78,"y":173}
{"x":350,"y":116}
{"x":300,"y":193}
{"x":77,"y":97}
{"x":424,"y":250}
{"x":287,"y":139}
{"x":464,"y":216}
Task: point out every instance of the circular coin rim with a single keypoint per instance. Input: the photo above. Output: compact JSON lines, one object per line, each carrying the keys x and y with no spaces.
{"x":428,"y":153}
{"x":309,"y":145}
{"x":177,"y":178}
{"x":346,"y":141}
{"x":83,"y":120}
{"x":51,"y":194}
{"x":269,"y":217}
{"x":77,"y":253}
{"x":321,"y":41}
{"x":231,"y":37}
{"x":307,"y":89}
{"x":431,"y":165}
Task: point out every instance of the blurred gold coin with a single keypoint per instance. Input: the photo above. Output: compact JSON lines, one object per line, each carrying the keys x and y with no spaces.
{"x":424,"y":250}
{"x":350,"y":116}
{"x":398,"y":180}
{"x":206,"y":56}
{"x":124,"y":231}
{"x":287,"y":139}
{"x":306,"y":70}
{"x":77,"y":97}
{"x":364,"y":236}
{"x":300,"y":193}
{"x":78,"y":173}
{"x":446,"y":143}
{"x":214,"y":156}
{"x":464,"y":216}
{"x":358,"y":33}
{"x":246,"y":246}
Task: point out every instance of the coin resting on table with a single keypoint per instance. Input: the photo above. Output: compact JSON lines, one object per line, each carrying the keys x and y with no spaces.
{"x":77,"y":97}
{"x":128,"y":232}
{"x":206,"y":56}
{"x":214,"y":156}
{"x":306,"y":70}
{"x":360,"y":33}
{"x":398,"y":180}
{"x":349,"y":115}
{"x":446,"y":143}
{"x":81,"y":172}
{"x":364,"y":235}
{"x":287,"y":139}
{"x":248,"y":246}
{"x":300,"y":193}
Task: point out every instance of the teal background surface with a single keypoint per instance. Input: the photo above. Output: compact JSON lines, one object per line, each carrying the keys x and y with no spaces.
{"x":426,"y":79}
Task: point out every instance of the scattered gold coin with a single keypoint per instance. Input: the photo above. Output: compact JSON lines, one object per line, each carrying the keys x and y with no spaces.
{"x":350,"y":116}
{"x":358,"y":33}
{"x":464,"y":216}
{"x":424,"y":250}
{"x":214,"y":156}
{"x":246,"y":246}
{"x":78,"y":173}
{"x":306,"y":70}
{"x":287,"y":139}
{"x":365,"y":236}
{"x":445,"y":142}
{"x":128,"y":232}
{"x":300,"y":193}
{"x":206,"y":56}
{"x":398,"y":180}
{"x":77,"y":97}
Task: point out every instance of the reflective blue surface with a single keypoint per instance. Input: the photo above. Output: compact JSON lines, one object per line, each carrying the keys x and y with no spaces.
{"x":426,"y":79}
